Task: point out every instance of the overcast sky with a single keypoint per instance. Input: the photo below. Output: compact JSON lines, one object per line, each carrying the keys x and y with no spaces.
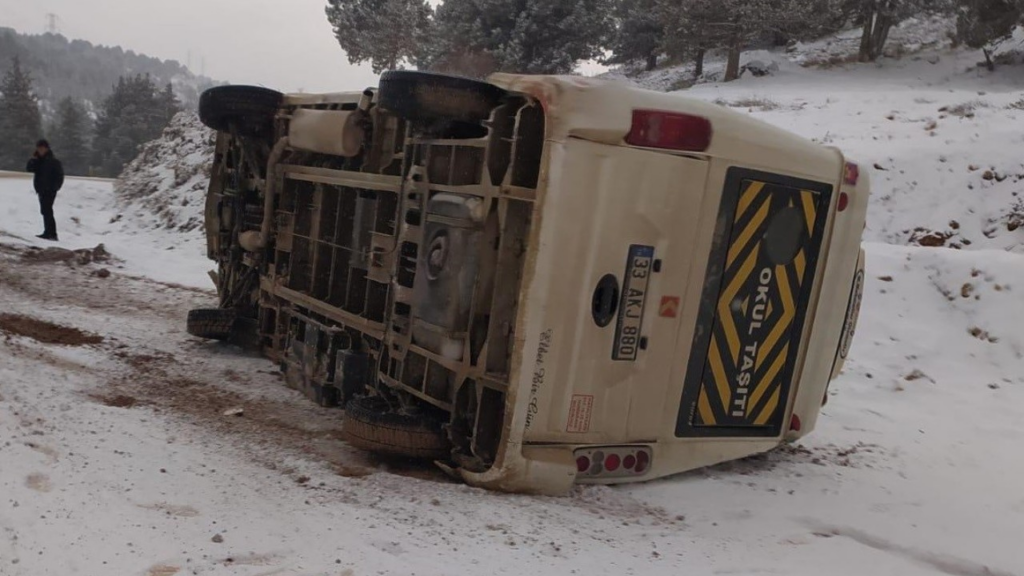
{"x":283,"y":44}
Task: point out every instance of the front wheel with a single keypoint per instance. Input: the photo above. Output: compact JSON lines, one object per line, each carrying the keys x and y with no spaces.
{"x":248,"y":109}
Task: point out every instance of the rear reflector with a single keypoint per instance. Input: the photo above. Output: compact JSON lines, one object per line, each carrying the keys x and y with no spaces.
{"x":794,"y":423}
{"x":844,"y":201}
{"x":669,"y":130}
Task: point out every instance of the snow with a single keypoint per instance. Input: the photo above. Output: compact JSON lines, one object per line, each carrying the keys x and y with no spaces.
{"x":165,"y":186}
{"x":88,"y":214}
{"x":940,"y":136}
{"x":914,"y":469}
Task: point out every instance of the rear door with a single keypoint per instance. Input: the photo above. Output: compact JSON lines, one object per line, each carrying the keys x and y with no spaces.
{"x":619,"y":226}
{"x":756,"y":292}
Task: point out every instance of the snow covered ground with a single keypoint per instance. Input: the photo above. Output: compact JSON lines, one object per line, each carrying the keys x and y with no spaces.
{"x":940,"y":136}
{"x":115,"y":457}
{"x":89,"y":214}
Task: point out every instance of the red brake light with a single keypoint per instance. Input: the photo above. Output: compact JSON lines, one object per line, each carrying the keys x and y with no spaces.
{"x":611,"y":463}
{"x":794,"y":423}
{"x":669,"y":130}
{"x":844,"y":201}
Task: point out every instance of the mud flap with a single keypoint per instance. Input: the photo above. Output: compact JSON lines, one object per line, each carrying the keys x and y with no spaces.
{"x":751,"y":321}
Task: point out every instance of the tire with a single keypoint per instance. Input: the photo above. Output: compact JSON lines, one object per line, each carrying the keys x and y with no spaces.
{"x":423,"y":96}
{"x":211,"y":323}
{"x":250,"y":109}
{"x":372,"y":426}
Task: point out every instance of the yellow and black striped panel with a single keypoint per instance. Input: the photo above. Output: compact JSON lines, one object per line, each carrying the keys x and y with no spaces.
{"x":755,"y":301}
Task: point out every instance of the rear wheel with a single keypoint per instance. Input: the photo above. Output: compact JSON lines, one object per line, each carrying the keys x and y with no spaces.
{"x":425,"y":96}
{"x":249,"y":109}
{"x":212,"y":323}
{"x":370,"y":424}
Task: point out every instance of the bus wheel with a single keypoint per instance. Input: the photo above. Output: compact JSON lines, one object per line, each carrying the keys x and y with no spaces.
{"x":425,"y":96}
{"x":371,"y":425}
{"x":249,"y":109}
{"x":211,"y":323}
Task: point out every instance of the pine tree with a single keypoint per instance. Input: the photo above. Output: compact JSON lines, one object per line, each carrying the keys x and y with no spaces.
{"x":984,"y":23}
{"x":877,"y":17}
{"x":526,"y":36}
{"x":384,"y":33}
{"x":135,"y":113}
{"x":692,"y":27}
{"x":639,"y":33}
{"x":70,"y":137}
{"x":20,"y":121}
{"x":168,"y":105}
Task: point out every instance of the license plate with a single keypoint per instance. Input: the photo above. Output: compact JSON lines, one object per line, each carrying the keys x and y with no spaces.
{"x":639,"y":267}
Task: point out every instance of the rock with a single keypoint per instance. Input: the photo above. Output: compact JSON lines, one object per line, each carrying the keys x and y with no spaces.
{"x":217,"y":539}
{"x":929,"y":238}
{"x":758,"y":68}
{"x":989,"y":175}
{"x":237,"y":411}
{"x":100,"y":254}
{"x":49,"y":255}
{"x":103,"y":273}
{"x":917,"y":375}
{"x":934,"y":59}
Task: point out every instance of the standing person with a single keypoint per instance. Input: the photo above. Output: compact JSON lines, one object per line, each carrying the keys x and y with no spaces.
{"x":49,"y":178}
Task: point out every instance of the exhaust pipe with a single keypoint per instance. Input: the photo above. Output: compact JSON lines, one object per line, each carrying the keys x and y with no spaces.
{"x":254,"y":241}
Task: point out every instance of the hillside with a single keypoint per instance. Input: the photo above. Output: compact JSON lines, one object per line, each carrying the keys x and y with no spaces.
{"x":86,"y":72}
{"x":939,"y":135}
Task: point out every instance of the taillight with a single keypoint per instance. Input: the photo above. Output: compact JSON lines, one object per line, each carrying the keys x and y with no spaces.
{"x":612,"y":461}
{"x":643,"y":459}
{"x":669,"y":130}
{"x":582,"y":464}
{"x":851,"y":174}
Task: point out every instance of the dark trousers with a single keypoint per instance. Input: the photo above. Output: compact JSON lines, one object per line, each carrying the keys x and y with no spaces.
{"x":46,"y":209}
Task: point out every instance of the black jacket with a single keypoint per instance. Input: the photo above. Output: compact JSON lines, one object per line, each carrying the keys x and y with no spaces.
{"x":49,"y":173}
